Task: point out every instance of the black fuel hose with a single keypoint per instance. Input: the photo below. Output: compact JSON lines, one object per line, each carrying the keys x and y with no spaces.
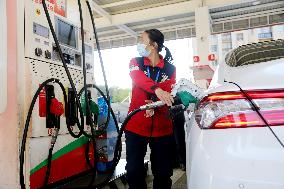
{"x":96,"y":135}
{"x":88,"y":110}
{"x":105,"y":99}
{"x":106,"y":86}
{"x":80,"y":125}
{"x":27,"y":123}
{"x":47,"y":174}
{"x":112,"y":114}
{"x":117,"y":150}
{"x":118,"y":146}
{"x":101,"y":62}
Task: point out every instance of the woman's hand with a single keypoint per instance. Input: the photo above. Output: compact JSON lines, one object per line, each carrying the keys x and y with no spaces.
{"x":164,"y":96}
{"x":149,"y":113}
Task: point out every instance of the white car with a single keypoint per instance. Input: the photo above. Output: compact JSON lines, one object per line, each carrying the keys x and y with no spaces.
{"x":228,"y":144}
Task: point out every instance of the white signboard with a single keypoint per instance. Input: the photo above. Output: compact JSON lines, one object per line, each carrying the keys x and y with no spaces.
{"x":3,"y":56}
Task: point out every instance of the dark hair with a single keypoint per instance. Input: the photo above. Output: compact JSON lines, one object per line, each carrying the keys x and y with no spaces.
{"x":158,"y":37}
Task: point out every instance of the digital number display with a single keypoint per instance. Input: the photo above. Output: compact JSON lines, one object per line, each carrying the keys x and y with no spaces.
{"x":41,"y":30}
{"x":88,"y":49}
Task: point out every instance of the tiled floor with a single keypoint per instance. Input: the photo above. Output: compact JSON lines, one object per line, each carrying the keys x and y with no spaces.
{"x":180,"y":183}
{"x":179,"y":176}
{"x":179,"y":180}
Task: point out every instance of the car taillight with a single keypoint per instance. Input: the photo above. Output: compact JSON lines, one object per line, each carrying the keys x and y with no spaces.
{"x":232,"y":110}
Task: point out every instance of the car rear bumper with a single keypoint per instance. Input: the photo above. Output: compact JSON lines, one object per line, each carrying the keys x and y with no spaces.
{"x":233,"y":158}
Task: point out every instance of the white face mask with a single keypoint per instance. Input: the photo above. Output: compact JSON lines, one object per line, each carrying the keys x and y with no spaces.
{"x":141,"y":48}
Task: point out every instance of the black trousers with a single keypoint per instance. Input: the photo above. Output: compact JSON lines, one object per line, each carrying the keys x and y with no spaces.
{"x":179,"y":134}
{"x":162,"y":152}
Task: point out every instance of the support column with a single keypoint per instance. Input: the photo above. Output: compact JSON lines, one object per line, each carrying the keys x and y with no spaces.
{"x":203,"y":71}
{"x":9,"y":127}
{"x":203,"y":32}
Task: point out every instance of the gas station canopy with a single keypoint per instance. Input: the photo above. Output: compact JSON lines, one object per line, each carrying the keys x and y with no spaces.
{"x":119,"y":22}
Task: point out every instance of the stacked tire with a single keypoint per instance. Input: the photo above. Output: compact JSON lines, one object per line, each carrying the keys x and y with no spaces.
{"x":256,"y":53}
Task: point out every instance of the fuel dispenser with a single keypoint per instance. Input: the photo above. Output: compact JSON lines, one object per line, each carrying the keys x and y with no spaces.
{"x":42,"y":62}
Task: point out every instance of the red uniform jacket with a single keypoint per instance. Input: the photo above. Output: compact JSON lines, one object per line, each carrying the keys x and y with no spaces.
{"x":143,"y":87}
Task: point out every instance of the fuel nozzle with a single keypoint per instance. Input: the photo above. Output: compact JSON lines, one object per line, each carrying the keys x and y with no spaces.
{"x":94,"y":108}
{"x":72,"y":108}
{"x":54,"y":108}
{"x":181,"y":101}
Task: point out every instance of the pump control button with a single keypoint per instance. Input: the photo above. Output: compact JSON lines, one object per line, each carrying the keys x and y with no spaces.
{"x":47,"y":54}
{"x":38,"y":52}
{"x":89,"y":66}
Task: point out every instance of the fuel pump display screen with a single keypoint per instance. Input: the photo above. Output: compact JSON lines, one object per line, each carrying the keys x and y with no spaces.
{"x":66,"y":33}
{"x":41,"y":30}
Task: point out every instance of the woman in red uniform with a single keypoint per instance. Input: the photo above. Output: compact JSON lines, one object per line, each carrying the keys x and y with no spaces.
{"x":152,"y":79}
